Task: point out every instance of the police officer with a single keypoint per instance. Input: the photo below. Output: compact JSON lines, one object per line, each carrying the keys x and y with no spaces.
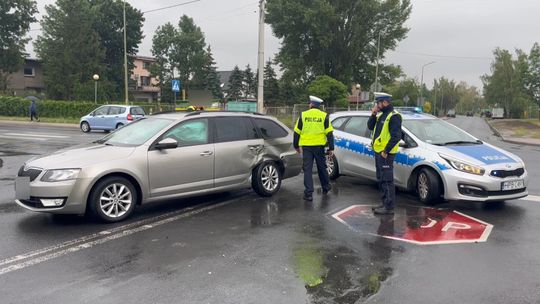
{"x":191,"y":108}
{"x":313,"y":131}
{"x":385,"y":123}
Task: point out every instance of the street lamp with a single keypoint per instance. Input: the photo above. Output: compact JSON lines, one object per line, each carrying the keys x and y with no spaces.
{"x":422,"y":83}
{"x":358,"y":87}
{"x":96,"y":78}
{"x":125,"y":58}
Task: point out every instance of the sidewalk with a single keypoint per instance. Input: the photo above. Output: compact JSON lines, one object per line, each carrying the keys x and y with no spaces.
{"x":514,"y":140}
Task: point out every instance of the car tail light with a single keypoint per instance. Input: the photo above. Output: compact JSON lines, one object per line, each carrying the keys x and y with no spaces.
{"x":129,"y":117}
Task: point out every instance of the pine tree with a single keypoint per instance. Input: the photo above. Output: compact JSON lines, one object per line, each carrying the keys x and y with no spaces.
{"x":271,"y":85}
{"x":249,"y":83}
{"x":235,"y":84}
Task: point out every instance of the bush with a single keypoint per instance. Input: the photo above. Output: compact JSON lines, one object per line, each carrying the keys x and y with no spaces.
{"x":20,"y":107}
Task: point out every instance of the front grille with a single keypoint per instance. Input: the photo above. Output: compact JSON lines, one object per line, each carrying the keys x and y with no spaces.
{"x":32,"y":173}
{"x":507,"y":173}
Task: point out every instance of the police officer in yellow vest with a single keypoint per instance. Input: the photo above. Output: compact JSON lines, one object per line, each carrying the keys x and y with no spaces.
{"x":191,"y":108}
{"x":385,"y":123}
{"x":313,"y":131}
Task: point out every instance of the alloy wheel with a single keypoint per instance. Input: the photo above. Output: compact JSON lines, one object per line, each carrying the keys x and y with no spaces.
{"x":423,"y":186}
{"x":115,"y":200}
{"x":270,"y":178}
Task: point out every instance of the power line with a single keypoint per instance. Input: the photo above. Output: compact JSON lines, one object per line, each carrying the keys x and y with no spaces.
{"x":171,"y":6}
{"x":444,"y":56}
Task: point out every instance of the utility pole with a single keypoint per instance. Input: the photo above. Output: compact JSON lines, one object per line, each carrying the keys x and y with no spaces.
{"x":377,"y":66}
{"x":260,"y":64}
{"x":125,"y":58}
{"x":420,"y":99}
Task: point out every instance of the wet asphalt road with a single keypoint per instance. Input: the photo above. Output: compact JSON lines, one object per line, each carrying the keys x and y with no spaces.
{"x":241,"y":248}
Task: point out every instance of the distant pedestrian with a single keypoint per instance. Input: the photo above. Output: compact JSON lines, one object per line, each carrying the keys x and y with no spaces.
{"x":33,"y":111}
{"x":385,"y":123}
{"x":313,"y":131}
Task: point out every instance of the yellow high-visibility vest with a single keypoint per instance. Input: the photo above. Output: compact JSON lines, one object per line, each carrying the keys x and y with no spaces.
{"x":313,"y":132}
{"x":379,"y":143}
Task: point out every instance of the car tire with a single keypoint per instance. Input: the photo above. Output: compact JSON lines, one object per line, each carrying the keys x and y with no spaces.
{"x":119,"y":125}
{"x":113,"y":199}
{"x":332,"y":167}
{"x":266,"y":179}
{"x":85,"y":127}
{"x":428,"y":186}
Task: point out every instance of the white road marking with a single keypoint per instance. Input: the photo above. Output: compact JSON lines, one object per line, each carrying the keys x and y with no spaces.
{"x":89,"y":241}
{"x":533,"y":198}
{"x":22,"y":137}
{"x":37,"y":135}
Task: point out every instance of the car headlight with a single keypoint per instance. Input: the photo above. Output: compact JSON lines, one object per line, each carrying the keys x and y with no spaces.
{"x":60,"y":175}
{"x":464,"y":167}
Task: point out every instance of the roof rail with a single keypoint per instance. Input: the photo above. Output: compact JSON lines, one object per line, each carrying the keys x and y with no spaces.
{"x":222,"y":111}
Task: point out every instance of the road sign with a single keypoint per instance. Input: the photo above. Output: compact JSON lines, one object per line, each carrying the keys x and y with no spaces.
{"x":418,"y":225}
{"x":406,"y":99}
{"x":176,"y":85}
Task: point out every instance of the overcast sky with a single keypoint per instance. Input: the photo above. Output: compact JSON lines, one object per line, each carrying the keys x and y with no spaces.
{"x":459,"y":35}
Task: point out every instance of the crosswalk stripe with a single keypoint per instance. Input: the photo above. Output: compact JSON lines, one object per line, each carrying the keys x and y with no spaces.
{"x":37,"y":135}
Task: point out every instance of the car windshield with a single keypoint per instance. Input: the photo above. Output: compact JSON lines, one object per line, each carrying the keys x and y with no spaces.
{"x":136,"y":133}
{"x":439,"y":132}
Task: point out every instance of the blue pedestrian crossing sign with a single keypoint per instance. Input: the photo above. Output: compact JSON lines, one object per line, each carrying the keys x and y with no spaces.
{"x":176,"y":85}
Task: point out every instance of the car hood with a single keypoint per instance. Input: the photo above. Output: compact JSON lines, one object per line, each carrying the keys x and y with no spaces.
{"x":80,"y":156}
{"x":484,"y":154}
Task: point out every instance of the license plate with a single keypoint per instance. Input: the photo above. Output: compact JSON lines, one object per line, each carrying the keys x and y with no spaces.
{"x":512,"y":185}
{"x":22,"y":187}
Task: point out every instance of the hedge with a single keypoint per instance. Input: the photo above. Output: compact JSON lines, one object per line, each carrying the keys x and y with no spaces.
{"x":20,"y":107}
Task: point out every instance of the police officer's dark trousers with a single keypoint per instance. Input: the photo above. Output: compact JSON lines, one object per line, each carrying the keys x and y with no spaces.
{"x":385,"y":178}
{"x":309,"y":154}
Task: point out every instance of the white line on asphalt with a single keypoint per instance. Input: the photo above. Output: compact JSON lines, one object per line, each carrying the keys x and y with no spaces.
{"x":22,"y":137}
{"x":533,"y":198}
{"x":37,"y":135}
{"x":109,"y":235}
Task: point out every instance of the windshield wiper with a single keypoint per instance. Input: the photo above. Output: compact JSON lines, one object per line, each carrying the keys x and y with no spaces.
{"x":460,"y":142}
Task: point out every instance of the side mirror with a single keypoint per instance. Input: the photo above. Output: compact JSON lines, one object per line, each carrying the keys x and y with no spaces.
{"x":403,"y":144}
{"x":93,"y":113}
{"x":167,"y":143}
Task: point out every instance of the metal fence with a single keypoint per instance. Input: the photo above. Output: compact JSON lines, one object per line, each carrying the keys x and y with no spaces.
{"x":532,"y":112}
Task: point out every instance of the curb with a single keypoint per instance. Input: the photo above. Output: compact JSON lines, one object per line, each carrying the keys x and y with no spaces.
{"x":511,"y":141}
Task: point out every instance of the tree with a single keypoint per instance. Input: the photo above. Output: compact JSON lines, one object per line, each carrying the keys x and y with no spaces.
{"x":337,"y":38}
{"x":163,"y":69}
{"x":446,"y":95}
{"x":332,"y":91}
{"x":70,"y":49}
{"x":250,"y":83}
{"x":507,"y":85}
{"x":81,"y":38}
{"x":271,"y":85}
{"x":235,"y":84}
{"x":532,"y":79}
{"x":108,"y":24}
{"x":407,"y":87}
{"x":211,"y":79}
{"x":179,"y":51}
{"x":15,"y":19}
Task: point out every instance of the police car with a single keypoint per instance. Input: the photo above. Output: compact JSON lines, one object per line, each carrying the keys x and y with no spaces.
{"x":435,"y":159}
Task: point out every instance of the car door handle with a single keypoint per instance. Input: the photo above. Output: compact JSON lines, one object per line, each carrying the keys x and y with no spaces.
{"x":207,"y":153}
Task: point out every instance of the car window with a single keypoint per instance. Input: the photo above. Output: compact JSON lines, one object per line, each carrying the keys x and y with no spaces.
{"x":136,"y":133}
{"x":137,"y":111}
{"x":338,"y":122}
{"x":102,"y":111}
{"x":270,"y":129}
{"x":234,"y":129}
{"x":116,"y":110}
{"x":357,"y":125}
{"x":436,"y":131}
{"x":190,"y":133}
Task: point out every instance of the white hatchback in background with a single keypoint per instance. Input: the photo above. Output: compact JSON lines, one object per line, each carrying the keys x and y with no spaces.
{"x":434,"y":159}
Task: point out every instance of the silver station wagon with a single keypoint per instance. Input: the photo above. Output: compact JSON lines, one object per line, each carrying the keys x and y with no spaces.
{"x":435,"y":159}
{"x":168,"y":155}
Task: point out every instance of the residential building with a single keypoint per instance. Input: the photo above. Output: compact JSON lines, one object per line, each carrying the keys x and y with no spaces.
{"x":145,"y":87}
{"x":28,"y":80}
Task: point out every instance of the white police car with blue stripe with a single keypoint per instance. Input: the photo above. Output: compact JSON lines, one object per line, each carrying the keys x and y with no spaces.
{"x":435,"y":159}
